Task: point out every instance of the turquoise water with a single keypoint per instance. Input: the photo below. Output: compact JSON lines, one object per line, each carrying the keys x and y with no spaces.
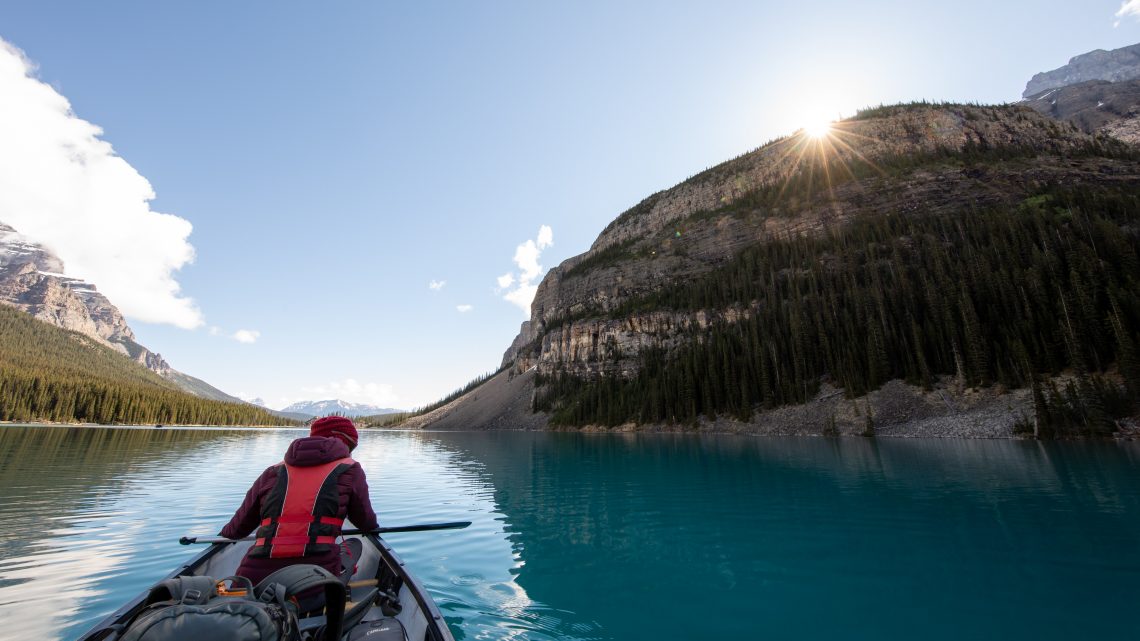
{"x":622,"y":536}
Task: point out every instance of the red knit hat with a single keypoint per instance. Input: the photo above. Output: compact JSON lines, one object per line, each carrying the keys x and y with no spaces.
{"x":337,"y":426}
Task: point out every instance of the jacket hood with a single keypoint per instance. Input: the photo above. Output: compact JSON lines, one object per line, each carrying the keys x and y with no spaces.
{"x":315,"y":450}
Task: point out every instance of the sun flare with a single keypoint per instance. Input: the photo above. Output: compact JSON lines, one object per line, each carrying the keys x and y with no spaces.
{"x":818,"y":129}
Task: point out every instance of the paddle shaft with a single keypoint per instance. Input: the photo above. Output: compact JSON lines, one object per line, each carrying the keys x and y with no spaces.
{"x":423,"y":527}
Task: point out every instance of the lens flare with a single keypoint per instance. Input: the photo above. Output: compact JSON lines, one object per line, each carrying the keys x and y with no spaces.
{"x":818,"y":129}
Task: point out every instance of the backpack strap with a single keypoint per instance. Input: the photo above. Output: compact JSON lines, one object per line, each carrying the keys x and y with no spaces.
{"x":293,"y":579}
{"x":191,"y":590}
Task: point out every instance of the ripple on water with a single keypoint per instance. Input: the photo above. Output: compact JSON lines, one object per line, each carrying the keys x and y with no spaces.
{"x":468,"y":579}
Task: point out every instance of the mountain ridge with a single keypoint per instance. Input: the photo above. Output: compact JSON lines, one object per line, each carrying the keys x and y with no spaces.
{"x":595,"y":328}
{"x":336,"y":406}
{"x":1114,"y":66}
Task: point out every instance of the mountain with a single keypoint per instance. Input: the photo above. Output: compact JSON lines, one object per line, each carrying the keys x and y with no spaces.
{"x":1099,"y":92}
{"x":1114,"y":66}
{"x":923,"y":269}
{"x":32,"y":280}
{"x":344,"y":408}
{"x":52,"y":374}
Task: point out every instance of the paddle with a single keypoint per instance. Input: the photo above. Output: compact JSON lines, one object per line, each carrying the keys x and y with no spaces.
{"x":423,"y":527}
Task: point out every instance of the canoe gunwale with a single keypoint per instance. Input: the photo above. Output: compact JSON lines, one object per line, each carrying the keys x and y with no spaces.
{"x":437,"y":626}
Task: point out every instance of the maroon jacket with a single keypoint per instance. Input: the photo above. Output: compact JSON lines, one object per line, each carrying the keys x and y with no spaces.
{"x":354,"y":503}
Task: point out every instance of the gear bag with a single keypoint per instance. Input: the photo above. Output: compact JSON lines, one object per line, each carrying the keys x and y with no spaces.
{"x":387,"y":629}
{"x":200,"y":607}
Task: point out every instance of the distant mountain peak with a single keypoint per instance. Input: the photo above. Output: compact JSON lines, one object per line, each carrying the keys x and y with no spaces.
{"x":337,"y":406}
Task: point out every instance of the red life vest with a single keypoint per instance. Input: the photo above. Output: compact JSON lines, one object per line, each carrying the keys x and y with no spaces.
{"x":299,"y":515}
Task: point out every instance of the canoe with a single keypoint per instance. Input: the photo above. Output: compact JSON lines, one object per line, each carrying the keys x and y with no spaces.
{"x":378,"y":567}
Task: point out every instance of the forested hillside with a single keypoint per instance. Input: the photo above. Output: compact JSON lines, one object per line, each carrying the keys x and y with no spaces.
{"x":51,"y":374}
{"x":951,"y":247}
{"x":1000,"y":296}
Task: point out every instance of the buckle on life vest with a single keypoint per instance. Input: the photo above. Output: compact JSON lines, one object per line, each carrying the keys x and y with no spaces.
{"x":304,"y":540}
{"x":324,"y":520}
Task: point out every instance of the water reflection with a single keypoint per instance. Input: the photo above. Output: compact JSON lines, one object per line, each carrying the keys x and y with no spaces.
{"x":479,"y":593}
{"x":579,"y":536}
{"x":95,"y":514}
{"x":78,"y":505}
{"x":647,"y":536}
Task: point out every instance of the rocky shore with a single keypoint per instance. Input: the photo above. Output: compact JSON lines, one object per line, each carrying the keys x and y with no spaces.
{"x":895,"y":410}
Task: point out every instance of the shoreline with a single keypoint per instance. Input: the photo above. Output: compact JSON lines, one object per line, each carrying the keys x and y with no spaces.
{"x":895,"y":410}
{"x":143,"y":426}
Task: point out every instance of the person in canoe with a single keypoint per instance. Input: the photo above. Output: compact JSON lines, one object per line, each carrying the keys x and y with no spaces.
{"x":297,"y":506}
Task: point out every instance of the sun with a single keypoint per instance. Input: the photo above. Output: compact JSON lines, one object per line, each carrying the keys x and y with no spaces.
{"x":818,"y":128}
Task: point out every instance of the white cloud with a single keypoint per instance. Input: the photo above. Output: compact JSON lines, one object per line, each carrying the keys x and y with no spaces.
{"x":350,"y":390}
{"x":246,"y":335}
{"x":1128,"y":8}
{"x":463,"y":309}
{"x":64,"y":187}
{"x":241,"y":335}
{"x":526,"y":258}
{"x":522,"y":296}
{"x":436,"y":285}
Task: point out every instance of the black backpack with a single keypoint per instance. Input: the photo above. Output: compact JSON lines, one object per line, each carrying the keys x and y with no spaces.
{"x":201,"y":607}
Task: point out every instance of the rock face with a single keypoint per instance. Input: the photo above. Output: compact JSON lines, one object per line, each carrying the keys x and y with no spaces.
{"x":581,"y":323}
{"x":32,"y":280}
{"x":1114,"y":66}
{"x":1096,"y":106}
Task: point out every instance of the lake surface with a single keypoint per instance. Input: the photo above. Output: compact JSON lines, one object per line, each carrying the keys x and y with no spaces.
{"x":581,"y":536}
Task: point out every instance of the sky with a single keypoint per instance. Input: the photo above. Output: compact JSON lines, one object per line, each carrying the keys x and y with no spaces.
{"x":301,"y":201}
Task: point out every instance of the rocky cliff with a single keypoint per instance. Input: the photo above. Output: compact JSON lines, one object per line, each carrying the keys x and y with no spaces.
{"x":32,"y":279}
{"x":1098,"y":92}
{"x":1114,"y":66}
{"x":759,"y":295}
{"x":594,"y":317}
{"x":1095,"y":107}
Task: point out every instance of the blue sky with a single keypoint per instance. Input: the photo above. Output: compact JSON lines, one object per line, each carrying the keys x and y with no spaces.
{"x":335,"y":159}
